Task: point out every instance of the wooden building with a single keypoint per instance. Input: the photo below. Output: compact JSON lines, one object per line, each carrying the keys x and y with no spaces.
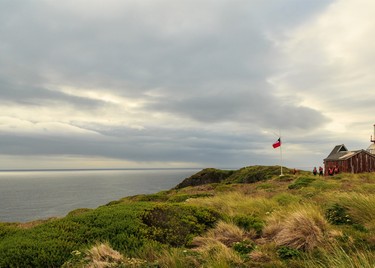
{"x":349,"y":161}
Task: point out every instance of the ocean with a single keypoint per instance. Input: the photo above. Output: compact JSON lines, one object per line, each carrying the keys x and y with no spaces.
{"x":32,"y":195}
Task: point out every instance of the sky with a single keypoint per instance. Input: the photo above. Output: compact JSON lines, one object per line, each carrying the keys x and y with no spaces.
{"x":188,"y":83}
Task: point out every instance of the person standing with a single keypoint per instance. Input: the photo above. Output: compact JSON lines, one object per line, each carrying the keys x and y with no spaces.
{"x":315,"y":171}
{"x":320,"y":171}
{"x":336,"y":170}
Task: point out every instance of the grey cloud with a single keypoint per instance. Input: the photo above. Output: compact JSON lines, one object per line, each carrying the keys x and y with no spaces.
{"x":134,"y":47}
{"x":37,"y":95}
{"x":209,"y":59}
{"x":254,"y":106}
{"x":151,"y":145}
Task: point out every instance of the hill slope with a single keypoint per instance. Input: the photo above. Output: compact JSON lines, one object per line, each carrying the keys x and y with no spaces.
{"x":244,"y":175}
{"x":221,"y":221}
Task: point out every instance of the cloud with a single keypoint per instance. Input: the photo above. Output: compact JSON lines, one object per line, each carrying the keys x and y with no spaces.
{"x":254,"y":106}
{"x":328,"y":66}
{"x":187,"y":81}
{"x":131,"y":145}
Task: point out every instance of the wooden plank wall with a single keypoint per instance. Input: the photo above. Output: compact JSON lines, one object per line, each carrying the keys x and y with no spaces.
{"x":359,"y":163}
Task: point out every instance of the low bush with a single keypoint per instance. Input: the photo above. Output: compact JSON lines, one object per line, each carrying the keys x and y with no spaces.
{"x":337,"y":214}
{"x":285,"y":253}
{"x":177,"y":224}
{"x":205,"y":176}
{"x":244,"y":247}
{"x":248,"y":222}
{"x":51,"y":244}
{"x":253,"y":174}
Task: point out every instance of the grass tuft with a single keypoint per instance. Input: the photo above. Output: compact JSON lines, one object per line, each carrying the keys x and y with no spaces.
{"x":304,"y":229}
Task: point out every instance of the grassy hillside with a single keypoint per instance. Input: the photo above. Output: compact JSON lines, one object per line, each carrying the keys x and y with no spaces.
{"x":246,"y":218}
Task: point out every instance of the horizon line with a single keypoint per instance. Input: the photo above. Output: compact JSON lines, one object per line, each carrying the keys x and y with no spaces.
{"x":94,"y":169}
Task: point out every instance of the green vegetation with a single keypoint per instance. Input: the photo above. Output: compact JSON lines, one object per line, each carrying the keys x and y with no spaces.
{"x":246,"y":218}
{"x":301,"y":182}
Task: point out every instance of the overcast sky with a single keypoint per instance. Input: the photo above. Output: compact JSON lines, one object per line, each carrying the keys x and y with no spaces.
{"x":187,"y":83}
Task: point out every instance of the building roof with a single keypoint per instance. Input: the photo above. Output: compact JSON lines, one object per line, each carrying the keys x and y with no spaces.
{"x":338,"y":152}
{"x":341,"y":153}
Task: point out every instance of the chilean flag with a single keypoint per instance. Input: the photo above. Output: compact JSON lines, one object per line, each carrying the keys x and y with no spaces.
{"x":277,"y":143}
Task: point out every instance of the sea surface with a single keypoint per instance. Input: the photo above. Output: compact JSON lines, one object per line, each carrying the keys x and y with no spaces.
{"x":32,"y":195}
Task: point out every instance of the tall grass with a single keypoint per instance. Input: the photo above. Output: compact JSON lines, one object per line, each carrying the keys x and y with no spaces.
{"x":235,"y":203}
{"x":176,"y":258}
{"x":339,"y":258}
{"x":360,"y":206}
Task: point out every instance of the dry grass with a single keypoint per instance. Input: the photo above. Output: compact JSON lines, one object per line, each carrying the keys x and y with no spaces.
{"x":226,"y":233}
{"x":217,"y":254}
{"x":259,"y":256}
{"x":103,"y":256}
{"x":304,"y":228}
{"x":215,"y":245}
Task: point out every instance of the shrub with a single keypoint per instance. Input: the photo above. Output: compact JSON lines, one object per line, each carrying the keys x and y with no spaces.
{"x":205,"y":176}
{"x":7,"y":229}
{"x":254,"y":173}
{"x":50,"y":244}
{"x":177,"y":224}
{"x":158,"y":197}
{"x":249,"y":223}
{"x":337,"y":215}
{"x":244,"y":247}
{"x":78,"y":211}
{"x":285,"y":253}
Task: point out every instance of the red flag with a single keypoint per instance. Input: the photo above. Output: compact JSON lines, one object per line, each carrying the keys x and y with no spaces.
{"x":277,"y":143}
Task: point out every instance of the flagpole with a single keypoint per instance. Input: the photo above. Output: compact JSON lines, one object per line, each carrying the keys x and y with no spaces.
{"x":281,"y":156}
{"x":281,"y":161}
